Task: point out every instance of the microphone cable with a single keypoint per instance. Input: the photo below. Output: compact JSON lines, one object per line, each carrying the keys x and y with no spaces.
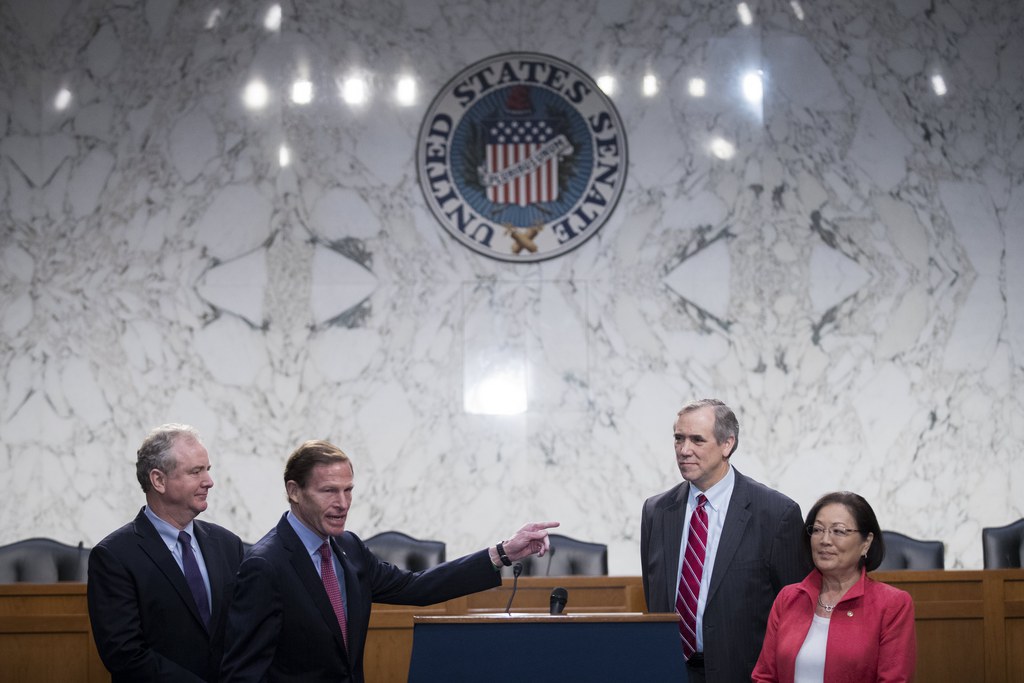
{"x":517,"y":569}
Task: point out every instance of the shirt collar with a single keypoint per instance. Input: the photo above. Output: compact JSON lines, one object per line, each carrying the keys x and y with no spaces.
{"x":168,"y":532}
{"x":310,"y":539}
{"x":718,"y":495}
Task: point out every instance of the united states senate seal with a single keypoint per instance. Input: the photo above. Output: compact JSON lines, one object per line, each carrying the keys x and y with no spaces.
{"x":521,"y":157}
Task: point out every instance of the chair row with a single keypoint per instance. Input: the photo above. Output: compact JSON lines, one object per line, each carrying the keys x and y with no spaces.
{"x":44,"y":560}
{"x":1002,"y":548}
{"x":568,"y":556}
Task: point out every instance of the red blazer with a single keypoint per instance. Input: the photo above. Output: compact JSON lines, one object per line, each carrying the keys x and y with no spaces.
{"x":870,"y":638}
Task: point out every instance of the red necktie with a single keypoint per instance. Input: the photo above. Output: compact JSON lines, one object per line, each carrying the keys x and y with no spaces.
{"x":333,"y":589}
{"x":689,"y":577}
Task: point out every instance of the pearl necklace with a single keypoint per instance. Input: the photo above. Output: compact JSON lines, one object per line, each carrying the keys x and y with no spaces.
{"x":822,"y":605}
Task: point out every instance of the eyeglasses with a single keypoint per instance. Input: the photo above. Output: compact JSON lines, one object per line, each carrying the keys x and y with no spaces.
{"x":815,"y":531}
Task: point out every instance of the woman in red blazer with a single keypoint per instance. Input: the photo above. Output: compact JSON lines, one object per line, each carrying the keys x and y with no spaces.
{"x":838,"y":625}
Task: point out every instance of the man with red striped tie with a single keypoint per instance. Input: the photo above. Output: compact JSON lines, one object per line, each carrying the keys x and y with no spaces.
{"x":717,"y":548}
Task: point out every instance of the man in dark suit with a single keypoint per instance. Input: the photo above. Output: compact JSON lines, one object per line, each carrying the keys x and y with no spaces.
{"x":158,"y":598}
{"x":752,"y":535}
{"x":302,"y":603}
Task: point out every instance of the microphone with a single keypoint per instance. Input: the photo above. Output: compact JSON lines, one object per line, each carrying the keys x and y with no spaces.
{"x":517,"y":569}
{"x":551,"y":554}
{"x":559,"y":597}
{"x":81,"y":566}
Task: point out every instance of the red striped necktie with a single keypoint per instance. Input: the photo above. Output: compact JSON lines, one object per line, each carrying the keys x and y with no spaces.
{"x":330,"y":580}
{"x":689,"y":577}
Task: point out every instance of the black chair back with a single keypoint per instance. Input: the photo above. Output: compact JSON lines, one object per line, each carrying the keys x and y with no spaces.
{"x":904,"y":552}
{"x":406,"y":552}
{"x":568,"y":557}
{"x":43,"y":560}
{"x":1003,"y":546}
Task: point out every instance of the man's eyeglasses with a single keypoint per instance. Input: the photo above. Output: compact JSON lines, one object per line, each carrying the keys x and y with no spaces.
{"x":815,"y":531}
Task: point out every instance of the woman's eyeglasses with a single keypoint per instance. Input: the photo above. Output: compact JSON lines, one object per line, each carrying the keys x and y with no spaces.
{"x":815,"y":531}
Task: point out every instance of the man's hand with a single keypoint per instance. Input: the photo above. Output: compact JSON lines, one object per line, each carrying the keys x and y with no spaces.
{"x":531,"y":539}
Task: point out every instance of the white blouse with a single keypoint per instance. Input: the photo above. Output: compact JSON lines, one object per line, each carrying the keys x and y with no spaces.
{"x":810,"y":661}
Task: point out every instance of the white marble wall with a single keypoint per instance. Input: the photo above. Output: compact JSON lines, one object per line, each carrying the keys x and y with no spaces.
{"x":851,"y":281}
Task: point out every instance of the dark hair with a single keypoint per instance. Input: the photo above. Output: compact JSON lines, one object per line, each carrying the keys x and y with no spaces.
{"x":726,"y":424}
{"x":863,"y":517}
{"x":307,"y":456}
{"x":157,"y":451}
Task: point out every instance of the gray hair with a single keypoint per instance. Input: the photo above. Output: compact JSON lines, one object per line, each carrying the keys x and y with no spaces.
{"x":726,"y":424}
{"x":157,"y":451}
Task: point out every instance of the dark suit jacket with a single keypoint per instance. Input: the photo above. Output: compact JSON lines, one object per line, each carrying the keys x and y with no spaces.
{"x":281,"y":626}
{"x":760,"y":551}
{"x":144,"y":618}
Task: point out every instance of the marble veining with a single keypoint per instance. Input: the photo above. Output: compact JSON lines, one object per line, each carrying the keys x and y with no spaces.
{"x":207,"y":220}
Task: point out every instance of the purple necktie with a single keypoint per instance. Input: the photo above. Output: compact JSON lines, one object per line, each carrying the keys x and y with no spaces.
{"x":330,"y":580}
{"x":193,"y":576}
{"x":689,"y":577}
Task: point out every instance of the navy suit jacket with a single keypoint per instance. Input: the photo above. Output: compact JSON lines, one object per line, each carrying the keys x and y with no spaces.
{"x":143,"y":615}
{"x":760,"y":551}
{"x":281,"y":626}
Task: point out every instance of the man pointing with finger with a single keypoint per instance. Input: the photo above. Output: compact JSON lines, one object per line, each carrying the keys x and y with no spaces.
{"x":302,"y":601}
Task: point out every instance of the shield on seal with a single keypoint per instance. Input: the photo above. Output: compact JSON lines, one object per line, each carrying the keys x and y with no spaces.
{"x":522,"y":153}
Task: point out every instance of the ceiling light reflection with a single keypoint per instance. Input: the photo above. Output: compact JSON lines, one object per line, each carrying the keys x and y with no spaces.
{"x":353,"y":91}
{"x":502,"y":392}
{"x":607,"y":84}
{"x":939,"y":85}
{"x":650,"y":87}
{"x":723,"y":149}
{"x":213,"y":18}
{"x":256,"y":94}
{"x":697,"y":87}
{"x":405,"y":91}
{"x":745,"y":15}
{"x":753,"y":87}
{"x":797,"y":9}
{"x":272,"y":20}
{"x":284,"y":156}
{"x":302,"y":92}
{"x":62,"y":100}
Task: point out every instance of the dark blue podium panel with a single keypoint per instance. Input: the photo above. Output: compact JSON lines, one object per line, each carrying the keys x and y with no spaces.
{"x":499,"y":648}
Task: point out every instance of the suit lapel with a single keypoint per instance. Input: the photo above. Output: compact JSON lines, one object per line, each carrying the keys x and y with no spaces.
{"x":672,"y":539}
{"x":153,"y":546}
{"x":302,"y":563}
{"x":736,"y":519}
